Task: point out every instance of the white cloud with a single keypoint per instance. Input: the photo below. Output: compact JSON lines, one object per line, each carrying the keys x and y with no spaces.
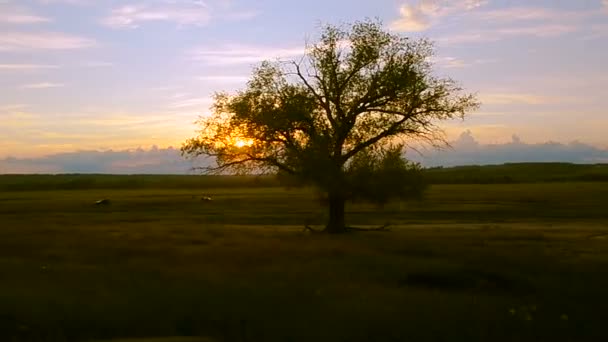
{"x":492,"y":24}
{"x":26,"y":67}
{"x":201,"y":102}
{"x":447,"y":62}
{"x":242,"y":15}
{"x":457,"y":63}
{"x":511,"y":14}
{"x":97,"y":64}
{"x":179,"y":95}
{"x":42,"y":85}
{"x":223,"y":78}
{"x":20,"y":17}
{"x":232,"y":54}
{"x":414,"y":18}
{"x":182,"y":13}
{"x":538,"y":31}
{"x":421,"y":15}
{"x":18,"y":41}
{"x":67,"y":2}
{"x":497,"y":34}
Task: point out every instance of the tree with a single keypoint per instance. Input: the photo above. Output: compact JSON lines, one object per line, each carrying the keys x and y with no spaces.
{"x":337,"y":118}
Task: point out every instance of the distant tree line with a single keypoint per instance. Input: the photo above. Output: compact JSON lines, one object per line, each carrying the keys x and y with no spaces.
{"x":487,"y":174}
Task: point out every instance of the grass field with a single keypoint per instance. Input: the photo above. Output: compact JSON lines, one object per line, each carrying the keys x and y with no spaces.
{"x":511,"y":262}
{"x":486,"y":174}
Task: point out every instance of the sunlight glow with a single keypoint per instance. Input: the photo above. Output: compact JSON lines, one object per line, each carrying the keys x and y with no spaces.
{"x":243,"y":142}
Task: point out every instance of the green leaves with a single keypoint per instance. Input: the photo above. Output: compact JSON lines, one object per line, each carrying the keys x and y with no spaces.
{"x":380,"y":175}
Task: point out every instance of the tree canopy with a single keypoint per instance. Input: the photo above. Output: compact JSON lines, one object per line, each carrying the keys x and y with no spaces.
{"x":337,"y":118}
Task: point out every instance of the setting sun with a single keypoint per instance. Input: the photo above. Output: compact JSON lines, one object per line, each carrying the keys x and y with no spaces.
{"x":243,"y":142}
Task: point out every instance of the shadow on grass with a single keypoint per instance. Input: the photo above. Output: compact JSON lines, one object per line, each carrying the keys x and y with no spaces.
{"x":162,"y":339}
{"x":467,"y":280}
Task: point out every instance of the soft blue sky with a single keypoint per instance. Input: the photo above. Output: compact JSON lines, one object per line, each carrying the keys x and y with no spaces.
{"x":120,"y":74}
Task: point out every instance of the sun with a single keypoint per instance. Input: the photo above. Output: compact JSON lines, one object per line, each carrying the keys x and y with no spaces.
{"x":243,"y":142}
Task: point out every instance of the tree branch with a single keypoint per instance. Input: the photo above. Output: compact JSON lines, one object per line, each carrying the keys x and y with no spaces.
{"x":392,"y":130}
{"x":322,"y":102}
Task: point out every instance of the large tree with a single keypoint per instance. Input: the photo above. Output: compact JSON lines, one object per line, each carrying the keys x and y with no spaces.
{"x":337,"y":118}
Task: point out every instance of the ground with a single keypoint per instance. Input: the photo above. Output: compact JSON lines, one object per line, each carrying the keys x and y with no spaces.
{"x":513,"y":262}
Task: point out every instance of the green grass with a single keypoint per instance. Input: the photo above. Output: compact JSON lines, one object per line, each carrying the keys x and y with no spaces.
{"x":518,"y":262}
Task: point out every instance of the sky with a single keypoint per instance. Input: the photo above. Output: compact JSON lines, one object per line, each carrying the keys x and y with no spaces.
{"x":122,"y":75}
{"x":464,"y":150}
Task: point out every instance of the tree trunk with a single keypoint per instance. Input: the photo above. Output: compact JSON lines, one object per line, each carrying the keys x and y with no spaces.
{"x":336,"y":224}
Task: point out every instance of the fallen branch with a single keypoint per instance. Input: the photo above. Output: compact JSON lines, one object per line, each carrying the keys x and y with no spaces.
{"x":348,"y":229}
{"x":597,"y":236}
{"x":308,"y":228}
{"x":383,"y":228}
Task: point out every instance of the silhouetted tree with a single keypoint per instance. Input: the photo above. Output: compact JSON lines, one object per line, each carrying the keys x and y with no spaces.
{"x":338,"y":118}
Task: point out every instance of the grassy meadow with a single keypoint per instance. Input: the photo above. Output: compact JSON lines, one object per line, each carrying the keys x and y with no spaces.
{"x":470,"y":262}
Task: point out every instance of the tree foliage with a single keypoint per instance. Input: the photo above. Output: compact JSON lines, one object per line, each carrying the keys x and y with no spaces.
{"x":337,"y":118}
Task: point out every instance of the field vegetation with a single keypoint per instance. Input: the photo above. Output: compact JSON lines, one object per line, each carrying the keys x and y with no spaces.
{"x":487,"y":174}
{"x":469,"y":262}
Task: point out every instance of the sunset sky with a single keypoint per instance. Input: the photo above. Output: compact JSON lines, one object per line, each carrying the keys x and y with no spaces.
{"x":122,"y":74}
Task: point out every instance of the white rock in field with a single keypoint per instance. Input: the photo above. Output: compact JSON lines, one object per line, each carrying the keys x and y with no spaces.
{"x":104,"y":201}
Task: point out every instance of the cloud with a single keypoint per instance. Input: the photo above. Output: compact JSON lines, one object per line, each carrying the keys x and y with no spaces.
{"x":423,"y":14}
{"x":91,"y":129}
{"x":497,"y":34}
{"x":453,"y":62}
{"x":605,"y":4}
{"x":512,"y":14}
{"x":139,"y":161}
{"x":242,"y":15}
{"x":514,"y":98}
{"x":183,"y":101}
{"x":457,"y":63}
{"x":491,"y":24}
{"x":231,"y":54}
{"x":26,"y":67}
{"x":23,"y":41}
{"x":467,"y":151}
{"x":18,"y":16}
{"x":15,"y":116}
{"x":414,"y":17}
{"x":538,"y":30}
{"x":596,"y":31}
{"x":67,"y":2}
{"x":223,"y":78}
{"x":183,"y":13}
{"x":12,"y":107}
{"x":97,"y":64}
{"x":42,"y":85}
{"x":180,"y":12}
